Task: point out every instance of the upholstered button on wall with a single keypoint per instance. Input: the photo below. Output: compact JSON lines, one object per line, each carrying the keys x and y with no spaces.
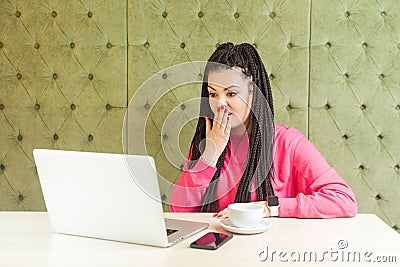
{"x":164,"y":197}
{"x":383,"y":14}
{"x":272,"y":14}
{"x":164,"y":76}
{"x":346,"y":75}
{"x":108,"y":107}
{"x":19,"y":76}
{"x":19,"y":137}
{"x":361,"y":168}
{"x":397,"y":167}
{"x":37,"y":106}
{"x":90,"y":76}
{"x":200,"y":14}
{"x":18,"y":14}
{"x":72,"y":45}
{"x":397,"y":107}
{"x":379,"y":137}
{"x":146,"y":45}
{"x":109,"y":45}
{"x":165,"y":137}
{"x":164,"y":14}
{"x":2,"y":167}
{"x":255,"y":45}
{"x":328,"y":45}
{"x":345,"y":137}
{"x":271,"y":77}
{"x":200,"y":76}
{"x":147,"y":106}
{"x":54,"y":14}
{"x":182,"y":45}
{"x":364,"y":45}
{"x":20,"y":197}
{"x":217,"y":44}
{"x":363,"y":107}
{"x":72,"y":107}
{"x":378,"y":197}
{"x":90,"y":14}
{"x":289,"y":107}
{"x":55,"y":76}
{"x":1,"y":44}
{"x":55,"y":137}
{"x":236,"y":15}
{"x":327,"y":106}
{"x":36,"y":45}
{"x":182,"y":106}
{"x":289,"y":46}
{"x":381,"y":76}
{"x":90,"y":137}
{"x":347,"y":14}
{"x":1,"y":106}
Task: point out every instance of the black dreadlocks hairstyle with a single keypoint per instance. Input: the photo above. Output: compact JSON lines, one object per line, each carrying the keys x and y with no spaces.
{"x":259,"y":164}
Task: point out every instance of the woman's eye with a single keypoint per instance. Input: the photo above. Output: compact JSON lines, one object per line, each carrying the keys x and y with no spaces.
{"x":212,"y":94}
{"x":232,"y":93}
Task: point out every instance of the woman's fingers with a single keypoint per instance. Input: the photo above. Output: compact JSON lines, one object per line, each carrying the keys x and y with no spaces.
{"x":222,"y":214}
{"x":218,"y":117}
{"x":228,"y":124}
{"x":224,"y":119}
{"x":217,"y":135}
{"x":221,"y":117}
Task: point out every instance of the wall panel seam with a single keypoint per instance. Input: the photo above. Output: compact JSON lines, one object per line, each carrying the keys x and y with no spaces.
{"x":127,"y":50}
{"x":309,"y":70}
{"x":125,"y":127}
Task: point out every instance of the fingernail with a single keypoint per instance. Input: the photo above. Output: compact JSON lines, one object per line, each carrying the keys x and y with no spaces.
{"x":218,"y":109}
{"x":215,"y":215}
{"x":225,"y":110}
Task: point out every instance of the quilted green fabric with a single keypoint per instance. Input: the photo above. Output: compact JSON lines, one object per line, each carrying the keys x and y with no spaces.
{"x":63,"y":84}
{"x":68,"y":70}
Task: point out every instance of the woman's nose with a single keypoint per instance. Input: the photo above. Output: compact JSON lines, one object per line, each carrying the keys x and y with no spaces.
{"x":221,"y":101}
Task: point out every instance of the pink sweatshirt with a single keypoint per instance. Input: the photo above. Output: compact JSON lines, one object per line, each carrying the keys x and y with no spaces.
{"x":307,"y":186}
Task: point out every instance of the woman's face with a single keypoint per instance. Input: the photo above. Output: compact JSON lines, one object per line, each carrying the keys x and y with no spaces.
{"x":231,"y":89}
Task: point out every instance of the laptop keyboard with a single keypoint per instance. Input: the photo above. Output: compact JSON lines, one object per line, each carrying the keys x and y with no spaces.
{"x":171,"y":231}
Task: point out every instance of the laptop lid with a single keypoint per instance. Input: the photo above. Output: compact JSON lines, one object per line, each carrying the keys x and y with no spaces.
{"x":107,"y":196}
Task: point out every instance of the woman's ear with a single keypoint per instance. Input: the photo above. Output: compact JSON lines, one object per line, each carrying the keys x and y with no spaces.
{"x":251,"y":84}
{"x":251,"y":87}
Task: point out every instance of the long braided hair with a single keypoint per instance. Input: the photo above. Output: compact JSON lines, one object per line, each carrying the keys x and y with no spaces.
{"x":259,"y":164}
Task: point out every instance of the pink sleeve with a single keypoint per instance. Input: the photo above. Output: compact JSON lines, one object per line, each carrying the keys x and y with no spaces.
{"x":188,"y":191}
{"x":329,"y":196}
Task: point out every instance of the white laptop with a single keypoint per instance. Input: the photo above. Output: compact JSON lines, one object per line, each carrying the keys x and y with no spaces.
{"x":107,"y":196}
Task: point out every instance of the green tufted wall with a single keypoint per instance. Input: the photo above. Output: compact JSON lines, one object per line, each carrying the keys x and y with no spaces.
{"x":354,"y":106}
{"x":63,"y":84}
{"x":69,"y":68}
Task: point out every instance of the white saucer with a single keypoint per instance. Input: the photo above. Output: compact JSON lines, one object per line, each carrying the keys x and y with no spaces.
{"x":227,"y":225}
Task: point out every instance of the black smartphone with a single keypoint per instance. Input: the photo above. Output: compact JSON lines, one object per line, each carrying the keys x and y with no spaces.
{"x":211,"y":241}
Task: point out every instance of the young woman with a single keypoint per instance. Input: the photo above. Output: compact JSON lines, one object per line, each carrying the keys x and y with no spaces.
{"x":239,"y":154}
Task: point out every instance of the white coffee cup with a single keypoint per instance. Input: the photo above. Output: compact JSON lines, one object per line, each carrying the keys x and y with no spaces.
{"x":246,"y":215}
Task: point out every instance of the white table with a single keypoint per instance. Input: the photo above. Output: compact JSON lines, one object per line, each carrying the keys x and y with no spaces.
{"x":26,"y":239}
